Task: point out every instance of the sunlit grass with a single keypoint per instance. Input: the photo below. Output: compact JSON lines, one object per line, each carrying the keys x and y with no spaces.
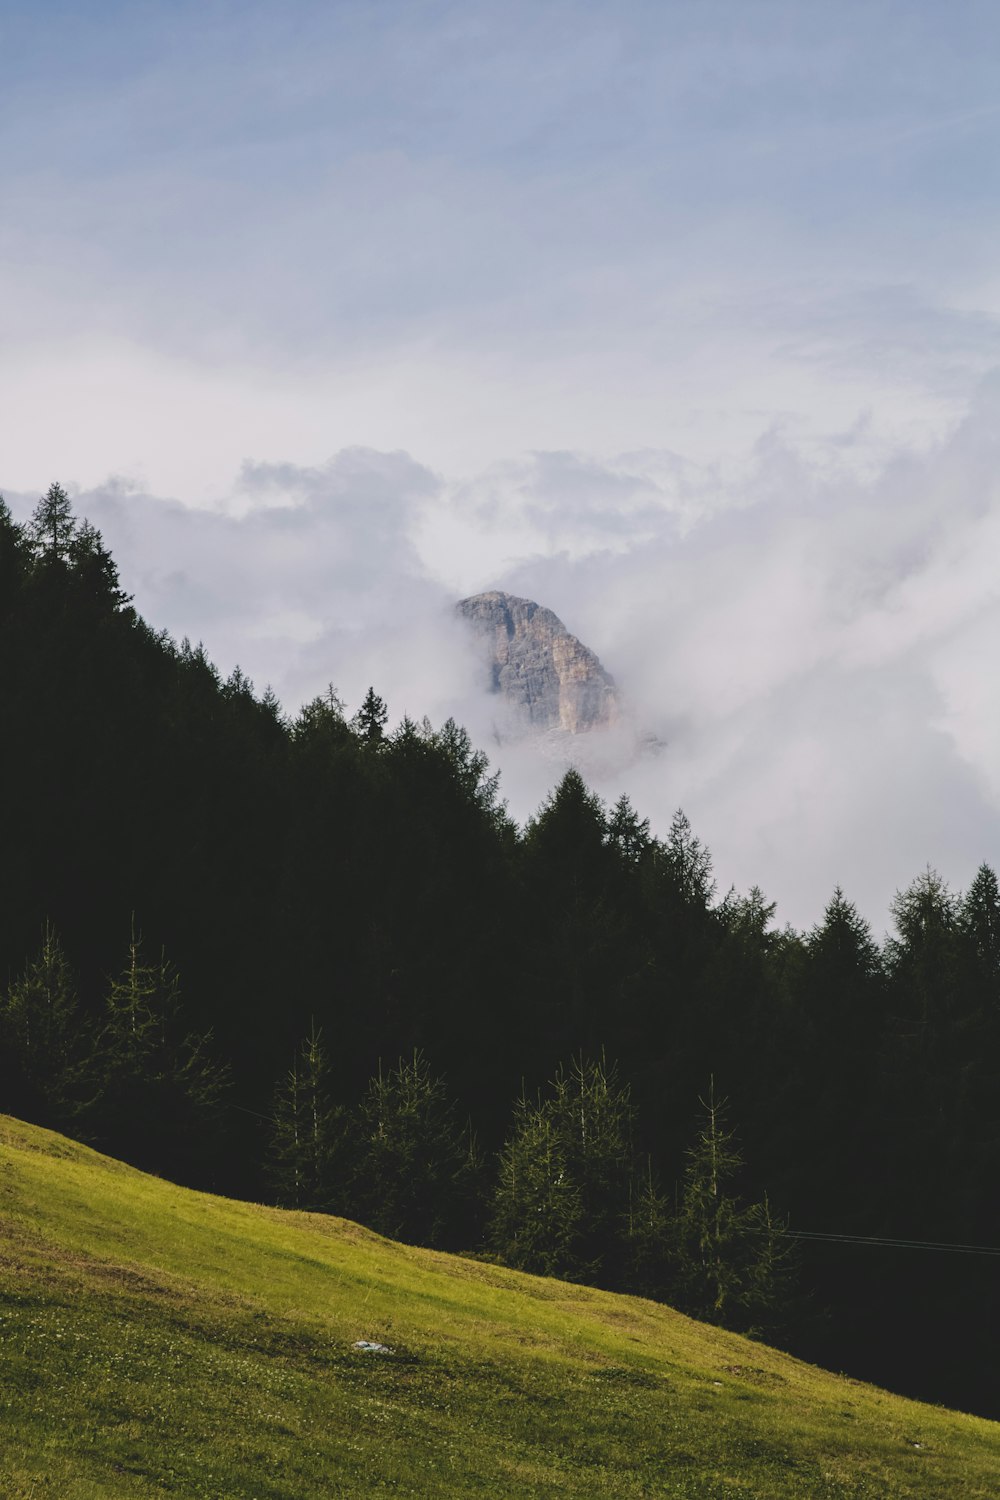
{"x":157,"y":1341}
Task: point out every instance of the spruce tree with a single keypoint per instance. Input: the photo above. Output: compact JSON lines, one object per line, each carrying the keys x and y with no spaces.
{"x":307,"y":1155}
{"x":688,"y":863}
{"x":628,"y":833}
{"x":416,"y":1166}
{"x":729,"y":1264}
{"x":567,"y":1178}
{"x":45,"y":1045}
{"x":537,"y":1207}
{"x":53,"y":526}
{"x":163,"y":1095}
{"x":13,"y":557}
{"x":370,"y":720}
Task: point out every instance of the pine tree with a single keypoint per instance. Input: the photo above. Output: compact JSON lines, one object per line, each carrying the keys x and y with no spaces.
{"x":536,"y":1215}
{"x":44,"y":1043}
{"x":307,"y":1155}
{"x":729,"y":1265}
{"x":414,"y":1160}
{"x":53,"y":525}
{"x":13,"y":556}
{"x":688,"y":863}
{"x":370,"y":720}
{"x":979,"y":921}
{"x":162,"y":1094}
{"x":648,"y":1238}
{"x":322,"y":718}
{"x":95,"y":570}
{"x":567,"y":1173}
{"x":924,"y":959}
{"x":835,"y":1087}
{"x":627,"y":832}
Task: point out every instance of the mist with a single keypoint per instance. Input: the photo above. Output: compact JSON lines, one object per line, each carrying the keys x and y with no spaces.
{"x":808,"y":638}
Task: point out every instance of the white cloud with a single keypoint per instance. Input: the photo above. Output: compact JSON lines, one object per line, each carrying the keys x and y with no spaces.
{"x":815,"y":644}
{"x":681,"y":312}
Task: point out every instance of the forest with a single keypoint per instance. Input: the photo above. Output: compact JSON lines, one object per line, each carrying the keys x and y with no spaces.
{"x":311,"y":960}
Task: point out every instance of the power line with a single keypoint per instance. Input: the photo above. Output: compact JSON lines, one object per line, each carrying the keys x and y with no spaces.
{"x":891,"y":1244}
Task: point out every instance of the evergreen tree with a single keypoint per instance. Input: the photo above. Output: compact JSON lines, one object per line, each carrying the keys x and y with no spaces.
{"x":44,"y":1042}
{"x":95,"y":572}
{"x":537,"y":1208}
{"x":322,"y":719}
{"x":13,"y":557}
{"x":924,"y":958}
{"x":570,"y":832}
{"x":648,"y":1238}
{"x":370,"y":720}
{"x":627,"y":832}
{"x":979,"y":922}
{"x":580,"y":951}
{"x":308,"y":1150}
{"x":729,"y":1265}
{"x":470,"y":769}
{"x":688,"y":863}
{"x":834,"y":1088}
{"x":416,"y":1167}
{"x":53,"y":526}
{"x":567,"y":1173}
{"x":162,"y":1094}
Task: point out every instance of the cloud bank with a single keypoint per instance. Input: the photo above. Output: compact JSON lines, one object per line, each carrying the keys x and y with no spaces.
{"x":812,"y":633}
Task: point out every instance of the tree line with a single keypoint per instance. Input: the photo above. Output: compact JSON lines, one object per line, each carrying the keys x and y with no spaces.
{"x":326,"y":886}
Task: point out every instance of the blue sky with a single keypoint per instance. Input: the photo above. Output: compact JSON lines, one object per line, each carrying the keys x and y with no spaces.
{"x":633,"y":306}
{"x":307,"y":183}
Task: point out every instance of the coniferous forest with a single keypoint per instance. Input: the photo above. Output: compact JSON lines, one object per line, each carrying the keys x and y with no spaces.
{"x":311,"y":960}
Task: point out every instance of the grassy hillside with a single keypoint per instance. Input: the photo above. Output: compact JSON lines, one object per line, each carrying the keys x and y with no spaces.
{"x":158,"y":1341}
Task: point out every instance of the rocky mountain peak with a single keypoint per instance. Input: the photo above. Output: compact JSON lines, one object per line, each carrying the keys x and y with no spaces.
{"x":550,"y":679}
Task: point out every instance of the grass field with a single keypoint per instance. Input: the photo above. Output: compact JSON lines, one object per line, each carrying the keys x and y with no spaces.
{"x":158,"y":1342}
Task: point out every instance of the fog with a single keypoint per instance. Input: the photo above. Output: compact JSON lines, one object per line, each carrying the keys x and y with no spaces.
{"x":810,"y":634}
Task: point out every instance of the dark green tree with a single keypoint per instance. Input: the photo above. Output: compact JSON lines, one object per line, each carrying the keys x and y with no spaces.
{"x":308,"y":1155}
{"x":537,"y":1209}
{"x":53,"y":526}
{"x":834,"y":1073}
{"x":689,"y":863}
{"x":370,"y":720}
{"x":13,"y":557}
{"x":924,"y":958}
{"x":979,"y":922}
{"x":94,"y":569}
{"x":628,"y":833}
{"x":416,"y":1166}
{"x":322,"y":719}
{"x":162,"y":1096}
{"x":730,"y":1265}
{"x":567,"y":1178}
{"x":648,"y":1237}
{"x":45,"y":1046}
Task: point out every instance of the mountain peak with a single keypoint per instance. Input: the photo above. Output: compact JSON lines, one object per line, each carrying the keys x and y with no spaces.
{"x":548,"y":677}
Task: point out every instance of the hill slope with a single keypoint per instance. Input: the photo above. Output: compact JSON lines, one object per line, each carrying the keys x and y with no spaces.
{"x":160,"y":1341}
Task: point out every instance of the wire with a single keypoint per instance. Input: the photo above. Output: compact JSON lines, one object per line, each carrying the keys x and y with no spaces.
{"x":891,"y":1244}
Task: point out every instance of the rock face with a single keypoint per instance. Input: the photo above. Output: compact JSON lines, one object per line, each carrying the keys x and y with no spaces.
{"x":550,"y":680}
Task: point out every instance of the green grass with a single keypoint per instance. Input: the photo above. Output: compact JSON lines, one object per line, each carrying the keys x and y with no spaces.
{"x":158,"y":1342}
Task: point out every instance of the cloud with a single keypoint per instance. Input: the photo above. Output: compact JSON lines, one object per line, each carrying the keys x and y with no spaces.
{"x":814,"y":642}
{"x":673,"y":318}
{"x":817,"y":657}
{"x":470,"y":234}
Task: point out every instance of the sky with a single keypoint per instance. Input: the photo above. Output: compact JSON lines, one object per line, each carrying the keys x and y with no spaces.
{"x":682,"y":318}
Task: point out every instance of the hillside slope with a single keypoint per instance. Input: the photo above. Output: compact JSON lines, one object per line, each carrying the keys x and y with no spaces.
{"x":160,"y":1341}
